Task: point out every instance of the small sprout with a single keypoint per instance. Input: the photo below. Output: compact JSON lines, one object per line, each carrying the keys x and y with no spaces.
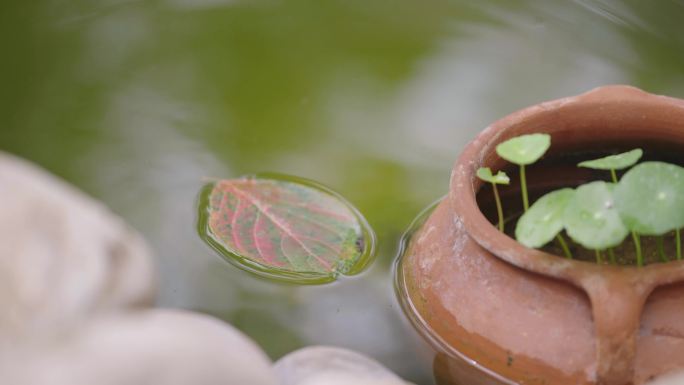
{"x":485,"y":173}
{"x":524,"y":150}
{"x":614,"y":162}
{"x":591,"y":218}
{"x":650,"y":198}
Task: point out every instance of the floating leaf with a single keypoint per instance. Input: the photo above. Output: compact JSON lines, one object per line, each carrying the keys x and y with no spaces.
{"x":285,"y":228}
{"x":614,"y":162}
{"x":544,"y":220}
{"x":650,"y":198}
{"x":591,"y":218}
{"x":524,"y":149}
{"x":485,"y":173}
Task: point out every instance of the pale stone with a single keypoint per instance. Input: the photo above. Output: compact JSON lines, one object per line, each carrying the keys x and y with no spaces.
{"x":322,"y":365}
{"x":674,"y":378}
{"x":63,"y":256}
{"x":160,"y":347}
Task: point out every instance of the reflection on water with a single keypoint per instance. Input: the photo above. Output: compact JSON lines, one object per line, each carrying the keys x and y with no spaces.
{"x":400,"y":288}
{"x":137,"y":101}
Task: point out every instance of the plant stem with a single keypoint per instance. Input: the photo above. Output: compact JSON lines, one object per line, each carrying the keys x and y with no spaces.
{"x":499,"y":209}
{"x":523,"y":186}
{"x":661,"y":249}
{"x":679,"y":245}
{"x":611,"y":252}
{"x":564,"y":246}
{"x":598,"y":256}
{"x":637,"y":245}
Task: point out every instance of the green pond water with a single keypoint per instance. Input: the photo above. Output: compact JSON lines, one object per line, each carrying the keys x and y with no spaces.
{"x":137,"y":102}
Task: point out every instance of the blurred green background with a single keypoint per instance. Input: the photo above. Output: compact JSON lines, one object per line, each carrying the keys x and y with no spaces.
{"x":136,"y":101}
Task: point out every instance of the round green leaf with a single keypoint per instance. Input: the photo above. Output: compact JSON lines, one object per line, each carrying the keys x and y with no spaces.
{"x":544,"y":220}
{"x":285,"y":228}
{"x":614,"y":162}
{"x":525,"y":149}
{"x":650,"y":198}
{"x":485,"y":173}
{"x":591,"y":218}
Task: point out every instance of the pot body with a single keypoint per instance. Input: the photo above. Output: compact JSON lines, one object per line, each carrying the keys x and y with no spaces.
{"x":499,"y":313}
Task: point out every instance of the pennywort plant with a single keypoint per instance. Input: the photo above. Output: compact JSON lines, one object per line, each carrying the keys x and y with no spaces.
{"x":591,"y":219}
{"x":485,"y":173}
{"x":612,"y":163}
{"x":544,"y":221}
{"x":524,"y":150}
{"x":650,"y":198}
{"x":647,"y":201}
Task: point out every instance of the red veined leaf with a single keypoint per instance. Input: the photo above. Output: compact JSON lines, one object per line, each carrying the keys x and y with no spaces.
{"x":285,"y":228}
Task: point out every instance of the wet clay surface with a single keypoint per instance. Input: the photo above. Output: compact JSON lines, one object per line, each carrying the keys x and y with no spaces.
{"x":519,"y":324}
{"x":529,"y":317}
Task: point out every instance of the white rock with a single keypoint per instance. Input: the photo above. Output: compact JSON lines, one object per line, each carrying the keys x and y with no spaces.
{"x":63,"y":256}
{"x":674,"y":378}
{"x":160,"y":347}
{"x":321,"y":365}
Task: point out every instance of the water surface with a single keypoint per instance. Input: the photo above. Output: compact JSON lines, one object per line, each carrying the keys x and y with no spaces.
{"x":137,"y":101}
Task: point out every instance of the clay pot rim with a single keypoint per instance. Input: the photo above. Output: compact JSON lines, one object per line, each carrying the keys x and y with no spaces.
{"x":464,"y":185}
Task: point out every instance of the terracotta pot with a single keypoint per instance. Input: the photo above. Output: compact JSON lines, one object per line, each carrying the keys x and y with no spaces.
{"x":500,"y":313}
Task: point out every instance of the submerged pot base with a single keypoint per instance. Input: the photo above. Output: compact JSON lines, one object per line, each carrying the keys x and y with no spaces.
{"x":488,"y":316}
